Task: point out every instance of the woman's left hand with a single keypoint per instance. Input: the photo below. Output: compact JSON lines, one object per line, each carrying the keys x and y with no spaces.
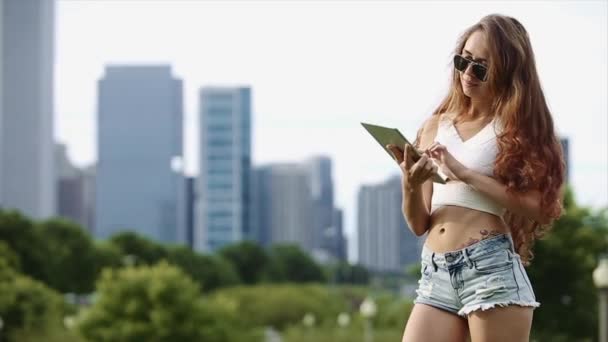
{"x":448,"y":164}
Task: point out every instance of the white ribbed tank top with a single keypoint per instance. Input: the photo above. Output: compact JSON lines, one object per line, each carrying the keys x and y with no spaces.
{"x":478,"y":153}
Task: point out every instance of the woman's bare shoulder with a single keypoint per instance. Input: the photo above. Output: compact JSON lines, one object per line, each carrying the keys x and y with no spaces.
{"x":432,"y":122}
{"x":428,"y":131}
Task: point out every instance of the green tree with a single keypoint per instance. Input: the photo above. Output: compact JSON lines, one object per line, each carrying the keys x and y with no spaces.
{"x":20,"y":233}
{"x":144,"y":250}
{"x":210,"y":271}
{"x":561,"y":274}
{"x":345,"y":273}
{"x":249,"y":260}
{"x":151,"y":303}
{"x":26,"y":305}
{"x":71,"y":257}
{"x":107,"y":255}
{"x":9,"y":256}
{"x":288,"y":263}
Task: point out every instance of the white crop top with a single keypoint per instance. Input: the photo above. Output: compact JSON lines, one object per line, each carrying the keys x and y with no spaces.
{"x":478,"y":153}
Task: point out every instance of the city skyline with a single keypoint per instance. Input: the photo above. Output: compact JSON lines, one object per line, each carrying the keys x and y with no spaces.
{"x":313,"y":84}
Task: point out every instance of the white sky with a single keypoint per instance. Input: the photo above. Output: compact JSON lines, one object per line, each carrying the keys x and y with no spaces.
{"x":318,"y":68}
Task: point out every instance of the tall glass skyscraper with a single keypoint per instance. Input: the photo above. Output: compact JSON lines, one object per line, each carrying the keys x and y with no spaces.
{"x":224,"y":191}
{"x":27,"y":177}
{"x":139,"y":183}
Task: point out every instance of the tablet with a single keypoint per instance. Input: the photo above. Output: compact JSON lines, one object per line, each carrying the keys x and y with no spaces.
{"x":386,"y":136}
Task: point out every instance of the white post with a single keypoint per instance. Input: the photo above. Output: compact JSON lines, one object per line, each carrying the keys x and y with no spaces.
{"x":603,"y":315}
{"x":600,"y":278}
{"x":368,"y":310}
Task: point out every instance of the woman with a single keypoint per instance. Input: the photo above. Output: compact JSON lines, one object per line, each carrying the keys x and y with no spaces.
{"x":493,"y":136}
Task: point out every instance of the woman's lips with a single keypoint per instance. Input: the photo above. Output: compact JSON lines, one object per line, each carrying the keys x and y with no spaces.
{"x":469,"y":84}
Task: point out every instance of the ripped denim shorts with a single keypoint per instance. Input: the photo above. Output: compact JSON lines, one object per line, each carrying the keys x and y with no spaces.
{"x":479,"y":277}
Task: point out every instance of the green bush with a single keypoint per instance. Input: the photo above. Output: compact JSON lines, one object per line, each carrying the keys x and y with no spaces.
{"x":289,"y":263}
{"x":348,"y":334}
{"x":9,"y":256}
{"x":27,"y":305}
{"x":151,"y":303}
{"x":209,"y":271}
{"x":278,"y":305}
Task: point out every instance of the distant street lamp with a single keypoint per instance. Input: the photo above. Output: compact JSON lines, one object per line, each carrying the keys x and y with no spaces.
{"x":271,"y":335}
{"x":69,"y":322}
{"x":368,"y":310}
{"x":343,"y":320}
{"x":177,"y":164}
{"x":309,"y":322}
{"x":600,"y":278}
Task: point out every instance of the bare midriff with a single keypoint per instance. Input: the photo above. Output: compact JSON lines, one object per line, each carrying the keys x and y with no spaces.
{"x":454,"y":228}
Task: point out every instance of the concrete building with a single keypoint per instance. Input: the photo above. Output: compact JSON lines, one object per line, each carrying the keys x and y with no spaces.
{"x":139,"y":181}
{"x":27,"y":179}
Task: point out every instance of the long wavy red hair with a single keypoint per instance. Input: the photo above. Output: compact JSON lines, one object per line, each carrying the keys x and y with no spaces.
{"x":530,"y":156}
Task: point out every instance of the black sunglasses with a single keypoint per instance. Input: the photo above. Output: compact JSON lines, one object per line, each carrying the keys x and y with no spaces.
{"x":479,"y":70}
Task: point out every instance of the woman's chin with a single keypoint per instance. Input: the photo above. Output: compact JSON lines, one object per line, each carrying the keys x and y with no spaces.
{"x":470,"y":93}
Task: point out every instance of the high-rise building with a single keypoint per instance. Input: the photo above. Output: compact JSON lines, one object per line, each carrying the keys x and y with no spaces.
{"x":139,"y":182}
{"x":27,"y":179}
{"x":328,"y":239}
{"x":70,"y":188}
{"x":190,"y":210}
{"x":293,"y":203}
{"x":385,"y":242}
{"x":224,"y":190}
{"x":88,"y":175}
{"x":75,"y":190}
{"x":322,"y":194}
{"x":284,"y":207}
{"x":337,"y":243}
{"x":261,"y":194}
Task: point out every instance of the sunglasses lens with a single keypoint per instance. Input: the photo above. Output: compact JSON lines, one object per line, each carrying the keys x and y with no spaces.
{"x":480,"y":72}
{"x":460,"y":63}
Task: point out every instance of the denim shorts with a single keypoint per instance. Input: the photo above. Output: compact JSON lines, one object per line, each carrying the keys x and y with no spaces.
{"x":479,"y":277}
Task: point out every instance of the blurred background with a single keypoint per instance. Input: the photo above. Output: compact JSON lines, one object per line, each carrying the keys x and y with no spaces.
{"x":197,"y":171}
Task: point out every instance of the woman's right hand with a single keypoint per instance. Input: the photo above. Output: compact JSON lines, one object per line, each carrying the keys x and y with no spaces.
{"x":414,"y":173}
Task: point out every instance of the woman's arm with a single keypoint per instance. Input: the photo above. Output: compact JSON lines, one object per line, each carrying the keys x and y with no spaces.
{"x":416,"y":201}
{"x":414,"y":206}
{"x":523,"y":204}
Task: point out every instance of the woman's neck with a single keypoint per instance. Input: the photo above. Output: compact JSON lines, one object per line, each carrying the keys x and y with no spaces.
{"x":476,"y":111}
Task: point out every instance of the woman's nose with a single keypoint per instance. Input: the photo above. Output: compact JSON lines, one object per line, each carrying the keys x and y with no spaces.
{"x":469,"y":70}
